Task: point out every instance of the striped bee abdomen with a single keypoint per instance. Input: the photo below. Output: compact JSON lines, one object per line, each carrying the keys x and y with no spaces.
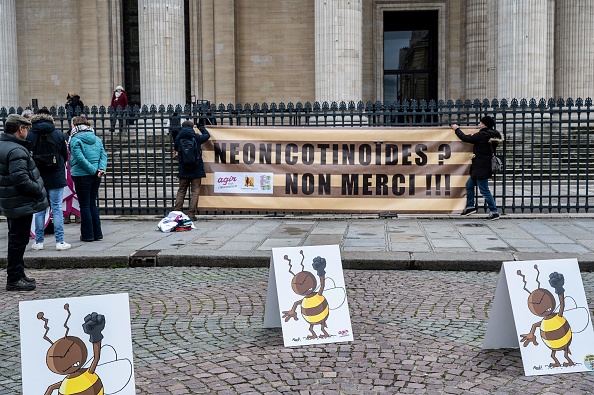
{"x":314,"y":309}
{"x":555,"y":332}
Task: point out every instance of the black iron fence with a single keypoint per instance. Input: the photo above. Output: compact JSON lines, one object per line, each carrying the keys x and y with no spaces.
{"x":546,"y":149}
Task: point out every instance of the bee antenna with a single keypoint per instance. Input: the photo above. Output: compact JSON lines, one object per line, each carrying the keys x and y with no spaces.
{"x":290,"y":266}
{"x":302,"y":259}
{"x":519,"y":273}
{"x":537,"y":271}
{"x":45,"y":320}
{"x":67,"y":308}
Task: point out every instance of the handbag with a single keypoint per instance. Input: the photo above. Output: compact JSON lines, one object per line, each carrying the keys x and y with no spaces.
{"x":496,"y":163}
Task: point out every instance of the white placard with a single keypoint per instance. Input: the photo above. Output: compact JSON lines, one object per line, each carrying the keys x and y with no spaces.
{"x":307,"y":296}
{"x":56,"y":352}
{"x":544,"y":303}
{"x":227,"y":182}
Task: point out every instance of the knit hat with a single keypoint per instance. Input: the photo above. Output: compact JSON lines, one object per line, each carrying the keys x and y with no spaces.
{"x":16,"y":118}
{"x":488,"y":122}
{"x":119,"y":87}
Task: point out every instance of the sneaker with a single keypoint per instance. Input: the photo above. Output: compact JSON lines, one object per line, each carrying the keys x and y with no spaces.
{"x":493,"y":216}
{"x":28,"y":279}
{"x":62,"y":246}
{"x":468,"y":211}
{"x":37,"y":246}
{"x":20,"y":285}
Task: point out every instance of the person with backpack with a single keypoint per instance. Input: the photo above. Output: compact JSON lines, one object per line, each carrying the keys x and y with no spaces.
{"x":88,"y":162}
{"x":484,"y":142}
{"x":50,"y":153}
{"x":188,"y":151}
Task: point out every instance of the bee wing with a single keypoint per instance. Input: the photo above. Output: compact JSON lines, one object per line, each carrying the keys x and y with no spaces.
{"x":108,"y":353}
{"x":335,"y":297}
{"x":115,"y":375}
{"x":578,"y":318}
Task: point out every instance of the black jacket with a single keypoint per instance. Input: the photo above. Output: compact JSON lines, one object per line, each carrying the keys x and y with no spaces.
{"x":188,"y":133}
{"x":75,"y":103}
{"x":481,"y":160}
{"x":44,"y":124}
{"x":21,"y":187}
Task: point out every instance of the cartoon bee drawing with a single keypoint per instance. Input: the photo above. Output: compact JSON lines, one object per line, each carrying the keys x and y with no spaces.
{"x":67,"y":356}
{"x":315,"y":307}
{"x":555,"y":330}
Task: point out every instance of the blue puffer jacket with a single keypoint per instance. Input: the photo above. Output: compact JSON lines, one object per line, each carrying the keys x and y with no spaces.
{"x":21,"y":187}
{"x":87,"y":154}
{"x":188,"y":133}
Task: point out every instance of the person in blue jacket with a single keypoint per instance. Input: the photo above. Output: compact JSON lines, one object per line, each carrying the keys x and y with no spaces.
{"x":88,"y":161}
{"x":190,"y":175}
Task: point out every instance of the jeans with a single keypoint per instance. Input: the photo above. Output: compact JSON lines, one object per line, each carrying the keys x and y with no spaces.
{"x":184,"y":183}
{"x":120,"y":120}
{"x":18,"y":238}
{"x":483,"y":184}
{"x":87,"y":190}
{"x":55,"y":199}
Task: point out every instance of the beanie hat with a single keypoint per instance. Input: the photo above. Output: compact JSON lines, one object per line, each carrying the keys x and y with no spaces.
{"x":119,"y":87}
{"x":16,"y":118}
{"x":488,"y":122}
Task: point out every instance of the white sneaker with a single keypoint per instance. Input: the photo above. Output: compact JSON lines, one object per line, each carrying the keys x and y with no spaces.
{"x":62,"y":246}
{"x":37,"y":246}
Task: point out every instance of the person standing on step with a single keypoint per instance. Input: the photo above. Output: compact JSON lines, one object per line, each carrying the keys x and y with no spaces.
{"x":119,"y":100}
{"x":50,"y":153}
{"x":22,"y":194}
{"x":485,"y":142}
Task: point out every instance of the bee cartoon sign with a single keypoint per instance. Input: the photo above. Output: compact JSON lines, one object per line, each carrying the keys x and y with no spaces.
{"x":546,"y":301}
{"x":79,"y":345}
{"x":307,"y":296}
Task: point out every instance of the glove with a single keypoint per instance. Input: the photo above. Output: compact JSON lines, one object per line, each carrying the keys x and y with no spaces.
{"x":556,"y":280}
{"x":94,"y":324}
{"x":319,"y":264}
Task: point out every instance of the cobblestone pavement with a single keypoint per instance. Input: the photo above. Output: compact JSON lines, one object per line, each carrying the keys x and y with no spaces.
{"x":200,"y":331}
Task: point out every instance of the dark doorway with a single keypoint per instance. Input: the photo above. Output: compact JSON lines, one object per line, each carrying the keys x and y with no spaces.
{"x":410,"y":55}
{"x":131,"y":51}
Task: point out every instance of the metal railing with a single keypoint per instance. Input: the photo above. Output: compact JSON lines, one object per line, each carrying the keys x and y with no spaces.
{"x":546,"y":148}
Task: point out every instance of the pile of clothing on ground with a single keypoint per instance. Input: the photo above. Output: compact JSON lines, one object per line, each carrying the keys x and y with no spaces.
{"x":176,"y":221}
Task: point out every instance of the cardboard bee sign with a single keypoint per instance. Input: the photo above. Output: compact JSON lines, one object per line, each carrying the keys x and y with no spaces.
{"x":546,"y":301}
{"x":307,"y":296}
{"x":77,"y":346}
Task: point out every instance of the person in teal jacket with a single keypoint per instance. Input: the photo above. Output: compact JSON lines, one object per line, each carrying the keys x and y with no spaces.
{"x":88,"y":161}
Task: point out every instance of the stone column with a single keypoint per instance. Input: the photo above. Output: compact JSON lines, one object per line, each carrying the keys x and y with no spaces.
{"x":162,"y":52}
{"x":338,"y":50}
{"x":574,"y":49}
{"x":9,"y":61}
{"x":523,"y":50}
{"x":475,"y":77}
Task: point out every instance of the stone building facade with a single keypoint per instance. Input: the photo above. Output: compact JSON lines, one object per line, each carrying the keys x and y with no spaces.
{"x":254,"y":51}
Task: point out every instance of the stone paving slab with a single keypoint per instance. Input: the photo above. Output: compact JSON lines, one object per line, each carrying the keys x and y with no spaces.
{"x":199,"y":330}
{"x":413,"y":241}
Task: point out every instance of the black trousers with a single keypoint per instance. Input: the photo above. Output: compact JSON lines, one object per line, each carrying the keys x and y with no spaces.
{"x":18,"y":237}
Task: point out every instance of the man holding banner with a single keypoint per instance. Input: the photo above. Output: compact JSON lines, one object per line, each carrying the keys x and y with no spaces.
{"x":485,"y":142}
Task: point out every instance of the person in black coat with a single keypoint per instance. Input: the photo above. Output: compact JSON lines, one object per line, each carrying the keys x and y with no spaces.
{"x":190,"y":176}
{"x":74,"y":104}
{"x":485,"y":142}
{"x":21,"y":195}
{"x":54,"y":178}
